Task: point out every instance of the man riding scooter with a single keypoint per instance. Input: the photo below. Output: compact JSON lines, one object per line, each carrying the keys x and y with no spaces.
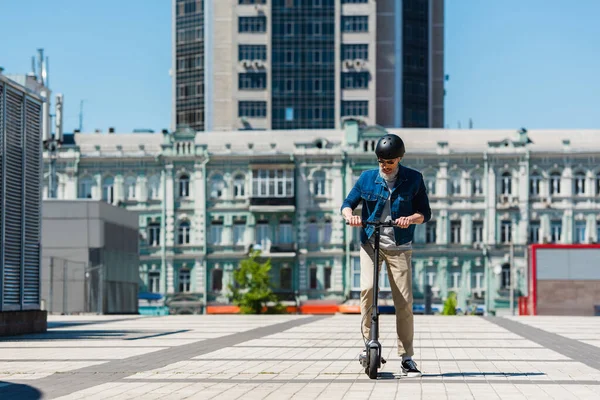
{"x":390,"y":193}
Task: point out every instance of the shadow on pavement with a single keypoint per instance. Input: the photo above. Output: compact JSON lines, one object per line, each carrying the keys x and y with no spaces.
{"x":76,"y":334}
{"x":468,"y":374}
{"x":17,"y":391}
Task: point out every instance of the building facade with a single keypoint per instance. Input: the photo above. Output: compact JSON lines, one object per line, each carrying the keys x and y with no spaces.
{"x":205,"y":198}
{"x":307,"y":64}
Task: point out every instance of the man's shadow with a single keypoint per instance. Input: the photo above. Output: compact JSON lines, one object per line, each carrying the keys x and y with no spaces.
{"x":10,"y":391}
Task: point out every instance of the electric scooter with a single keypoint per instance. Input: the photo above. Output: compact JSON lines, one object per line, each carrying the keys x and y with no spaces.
{"x":373,"y":360}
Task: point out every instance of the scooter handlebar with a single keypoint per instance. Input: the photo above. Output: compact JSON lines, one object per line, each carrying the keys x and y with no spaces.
{"x":377,"y":223}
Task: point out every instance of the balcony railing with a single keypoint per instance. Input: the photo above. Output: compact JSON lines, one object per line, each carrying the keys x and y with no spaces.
{"x":273,"y":201}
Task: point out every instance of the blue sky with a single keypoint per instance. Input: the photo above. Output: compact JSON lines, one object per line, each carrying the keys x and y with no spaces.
{"x":512,"y":63}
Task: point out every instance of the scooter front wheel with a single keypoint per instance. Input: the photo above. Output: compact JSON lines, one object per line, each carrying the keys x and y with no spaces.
{"x":373,"y":364}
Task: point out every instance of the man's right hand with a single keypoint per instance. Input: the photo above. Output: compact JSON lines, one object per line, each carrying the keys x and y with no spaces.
{"x":354,"y":220}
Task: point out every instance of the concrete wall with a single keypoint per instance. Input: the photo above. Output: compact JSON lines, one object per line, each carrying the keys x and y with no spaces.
{"x":86,"y":235}
{"x":567,"y":297}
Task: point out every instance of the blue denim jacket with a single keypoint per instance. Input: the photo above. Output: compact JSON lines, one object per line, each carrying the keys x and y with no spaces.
{"x":409,"y":196}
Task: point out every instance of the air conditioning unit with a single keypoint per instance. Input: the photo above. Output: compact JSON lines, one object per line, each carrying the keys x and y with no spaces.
{"x":247,"y":64}
{"x":349,"y":64}
{"x":259,"y":63}
{"x":504,"y":199}
{"x":359,"y":64}
{"x":477,"y":245}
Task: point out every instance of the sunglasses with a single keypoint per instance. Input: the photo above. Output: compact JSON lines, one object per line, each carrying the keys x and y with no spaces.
{"x":388,"y":162}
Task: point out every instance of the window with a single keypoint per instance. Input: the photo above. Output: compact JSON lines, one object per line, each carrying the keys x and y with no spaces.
{"x":184,"y":186}
{"x":217,"y":186}
{"x":478,"y":281}
{"x":252,"y":109}
{"x":252,"y":80}
{"x":355,"y":51}
{"x":455,"y":284}
{"x":355,"y":1}
{"x":317,"y":28}
{"x":356,"y":273}
{"x":477,"y":232}
{"x":154,"y":281}
{"x":580,"y":232}
{"x":239,"y":230}
{"x":85,"y":188}
{"x":263,"y":234}
{"x":556,"y":231}
{"x":598,"y":184}
{"x":216,"y":232}
{"x":476,"y":186}
{"x":273,"y":183}
{"x":505,"y":276}
{"x":285,"y":278}
{"x":252,"y":2}
{"x":355,"y":80}
{"x":183,"y":233}
{"x":312,"y":231}
{"x":355,"y":23}
{"x":154,"y":187}
{"x":506,"y":232}
{"x":239,"y":185}
{"x":431,"y":278}
{"x":317,"y":84}
{"x":252,"y":52}
{"x":506,"y":184}
{"x":289,"y":85}
{"x":130,"y":187}
{"x":455,"y":232}
{"x":430,"y":232}
{"x":455,"y":187}
{"x":154,"y":234}
{"x":534,"y":184}
{"x":555,"y":183}
{"x":184,"y":280}
{"x":579,"y":183}
{"x":217,"y":280}
{"x":534,"y":232}
{"x":430,"y":184}
{"x":319,"y":183}
{"x":313,"y":281}
{"x":285,"y":232}
{"x":327,"y":229}
{"x":327,"y":278}
{"x":288,"y":28}
{"x":355,"y":108}
{"x":252,"y":24}
{"x":108,"y":189}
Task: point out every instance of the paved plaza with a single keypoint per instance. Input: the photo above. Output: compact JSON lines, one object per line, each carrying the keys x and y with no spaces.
{"x":299,"y":357}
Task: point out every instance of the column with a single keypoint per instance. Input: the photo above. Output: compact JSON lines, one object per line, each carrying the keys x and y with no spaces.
{"x":490,"y":224}
{"x":465,"y":292}
{"x":170,"y":288}
{"x":442,"y":277}
{"x":170,"y":207}
{"x":200,"y":285}
{"x":118,"y":192}
{"x":338,"y":273}
{"x":199,"y":193}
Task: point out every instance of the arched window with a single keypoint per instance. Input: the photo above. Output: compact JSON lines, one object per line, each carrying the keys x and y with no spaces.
{"x":239,"y":186}
{"x":154,"y":187}
{"x":506,"y":183}
{"x":455,"y":184}
{"x":183,"y":233}
{"x":108,"y":189}
{"x":534,"y":183}
{"x":555,"y":183}
{"x":184,"y":185}
{"x":130,"y":187}
{"x":579,"y":183}
{"x":319,"y":181}
{"x":217,"y":186}
{"x":85,"y":187}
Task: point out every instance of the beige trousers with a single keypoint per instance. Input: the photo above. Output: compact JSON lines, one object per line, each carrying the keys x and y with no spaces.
{"x":399,"y":271}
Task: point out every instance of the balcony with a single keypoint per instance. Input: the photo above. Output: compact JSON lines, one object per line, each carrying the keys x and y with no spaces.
{"x":283,"y":248}
{"x":273,"y":204}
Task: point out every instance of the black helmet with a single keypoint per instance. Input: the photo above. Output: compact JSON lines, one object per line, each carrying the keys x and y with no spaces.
{"x":390,"y":146}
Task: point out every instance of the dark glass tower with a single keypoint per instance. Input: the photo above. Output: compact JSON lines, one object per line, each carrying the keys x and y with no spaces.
{"x":303,"y":69}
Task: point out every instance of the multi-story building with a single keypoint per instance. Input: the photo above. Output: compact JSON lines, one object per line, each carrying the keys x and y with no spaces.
{"x":307,"y":64}
{"x":205,"y":198}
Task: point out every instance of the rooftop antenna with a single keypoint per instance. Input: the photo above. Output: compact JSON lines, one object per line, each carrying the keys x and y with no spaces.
{"x":470,"y":123}
{"x":41,"y":67}
{"x":81,"y":116}
{"x":33,"y":67}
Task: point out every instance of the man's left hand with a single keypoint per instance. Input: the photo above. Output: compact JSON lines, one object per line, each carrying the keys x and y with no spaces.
{"x":404,"y":222}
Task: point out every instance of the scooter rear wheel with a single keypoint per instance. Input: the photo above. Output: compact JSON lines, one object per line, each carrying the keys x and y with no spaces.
{"x":373,"y":364}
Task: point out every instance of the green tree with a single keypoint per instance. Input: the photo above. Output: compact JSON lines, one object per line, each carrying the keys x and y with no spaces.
{"x":450,"y":304}
{"x":253,"y":289}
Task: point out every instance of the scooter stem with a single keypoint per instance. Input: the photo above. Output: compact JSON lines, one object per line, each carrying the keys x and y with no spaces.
{"x":374,"y":311}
